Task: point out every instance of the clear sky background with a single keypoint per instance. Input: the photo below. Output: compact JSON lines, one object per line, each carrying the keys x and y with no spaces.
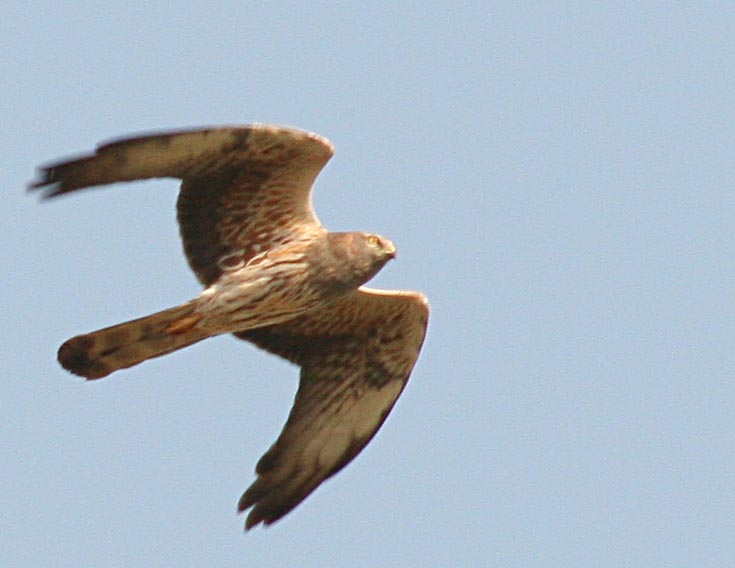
{"x":559,"y":180}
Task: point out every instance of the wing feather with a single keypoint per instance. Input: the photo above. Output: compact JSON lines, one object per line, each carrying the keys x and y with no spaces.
{"x":244,"y":188}
{"x":355,"y":360}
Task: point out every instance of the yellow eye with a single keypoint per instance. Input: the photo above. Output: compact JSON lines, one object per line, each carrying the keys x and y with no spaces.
{"x":373,"y":240}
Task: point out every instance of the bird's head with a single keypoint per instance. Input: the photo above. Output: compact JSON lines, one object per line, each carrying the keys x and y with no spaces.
{"x":380,"y":248}
{"x":351,"y":259}
{"x":370,"y":252}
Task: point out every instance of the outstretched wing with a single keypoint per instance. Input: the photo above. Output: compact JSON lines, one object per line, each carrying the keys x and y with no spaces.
{"x":245,"y":189}
{"x":355,"y":357}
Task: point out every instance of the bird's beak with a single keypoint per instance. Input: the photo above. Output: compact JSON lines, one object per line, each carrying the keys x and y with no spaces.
{"x":390,"y":250}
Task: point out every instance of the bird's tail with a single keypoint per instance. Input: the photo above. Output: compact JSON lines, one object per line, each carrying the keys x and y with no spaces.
{"x":97,"y":354}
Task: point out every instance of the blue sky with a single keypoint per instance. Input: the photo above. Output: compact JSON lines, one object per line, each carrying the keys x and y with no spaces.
{"x":558,"y":179}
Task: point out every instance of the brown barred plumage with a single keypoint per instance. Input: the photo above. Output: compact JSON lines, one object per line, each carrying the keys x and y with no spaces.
{"x":274,"y":276}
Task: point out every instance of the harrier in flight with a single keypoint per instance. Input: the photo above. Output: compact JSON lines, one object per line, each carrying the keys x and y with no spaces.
{"x":272,"y":275}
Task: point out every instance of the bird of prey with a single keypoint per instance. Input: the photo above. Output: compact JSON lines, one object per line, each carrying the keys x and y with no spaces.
{"x":272,"y":275}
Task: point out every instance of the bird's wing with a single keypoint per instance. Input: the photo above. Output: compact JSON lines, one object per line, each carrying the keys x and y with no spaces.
{"x":245,"y":189}
{"x":355,"y":357}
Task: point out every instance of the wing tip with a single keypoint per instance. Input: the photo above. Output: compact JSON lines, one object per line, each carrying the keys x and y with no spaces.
{"x":257,"y":516}
{"x":40,"y":185}
{"x":46,"y":188}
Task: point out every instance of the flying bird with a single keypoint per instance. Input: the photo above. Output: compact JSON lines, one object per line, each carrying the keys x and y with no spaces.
{"x":273,"y":276}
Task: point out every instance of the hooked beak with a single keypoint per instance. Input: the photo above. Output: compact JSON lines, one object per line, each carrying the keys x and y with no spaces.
{"x":390,"y":250}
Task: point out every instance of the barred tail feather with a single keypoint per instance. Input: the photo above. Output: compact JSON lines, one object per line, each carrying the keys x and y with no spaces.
{"x":97,"y":354}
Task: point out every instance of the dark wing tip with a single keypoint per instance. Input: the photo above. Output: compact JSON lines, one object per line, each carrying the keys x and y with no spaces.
{"x":267,"y":508}
{"x":47,"y":191}
{"x":255,"y":518}
{"x":45,"y":184}
{"x":59,"y":178}
{"x":261,"y":514}
{"x":270,"y":499}
{"x":258,"y":515}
